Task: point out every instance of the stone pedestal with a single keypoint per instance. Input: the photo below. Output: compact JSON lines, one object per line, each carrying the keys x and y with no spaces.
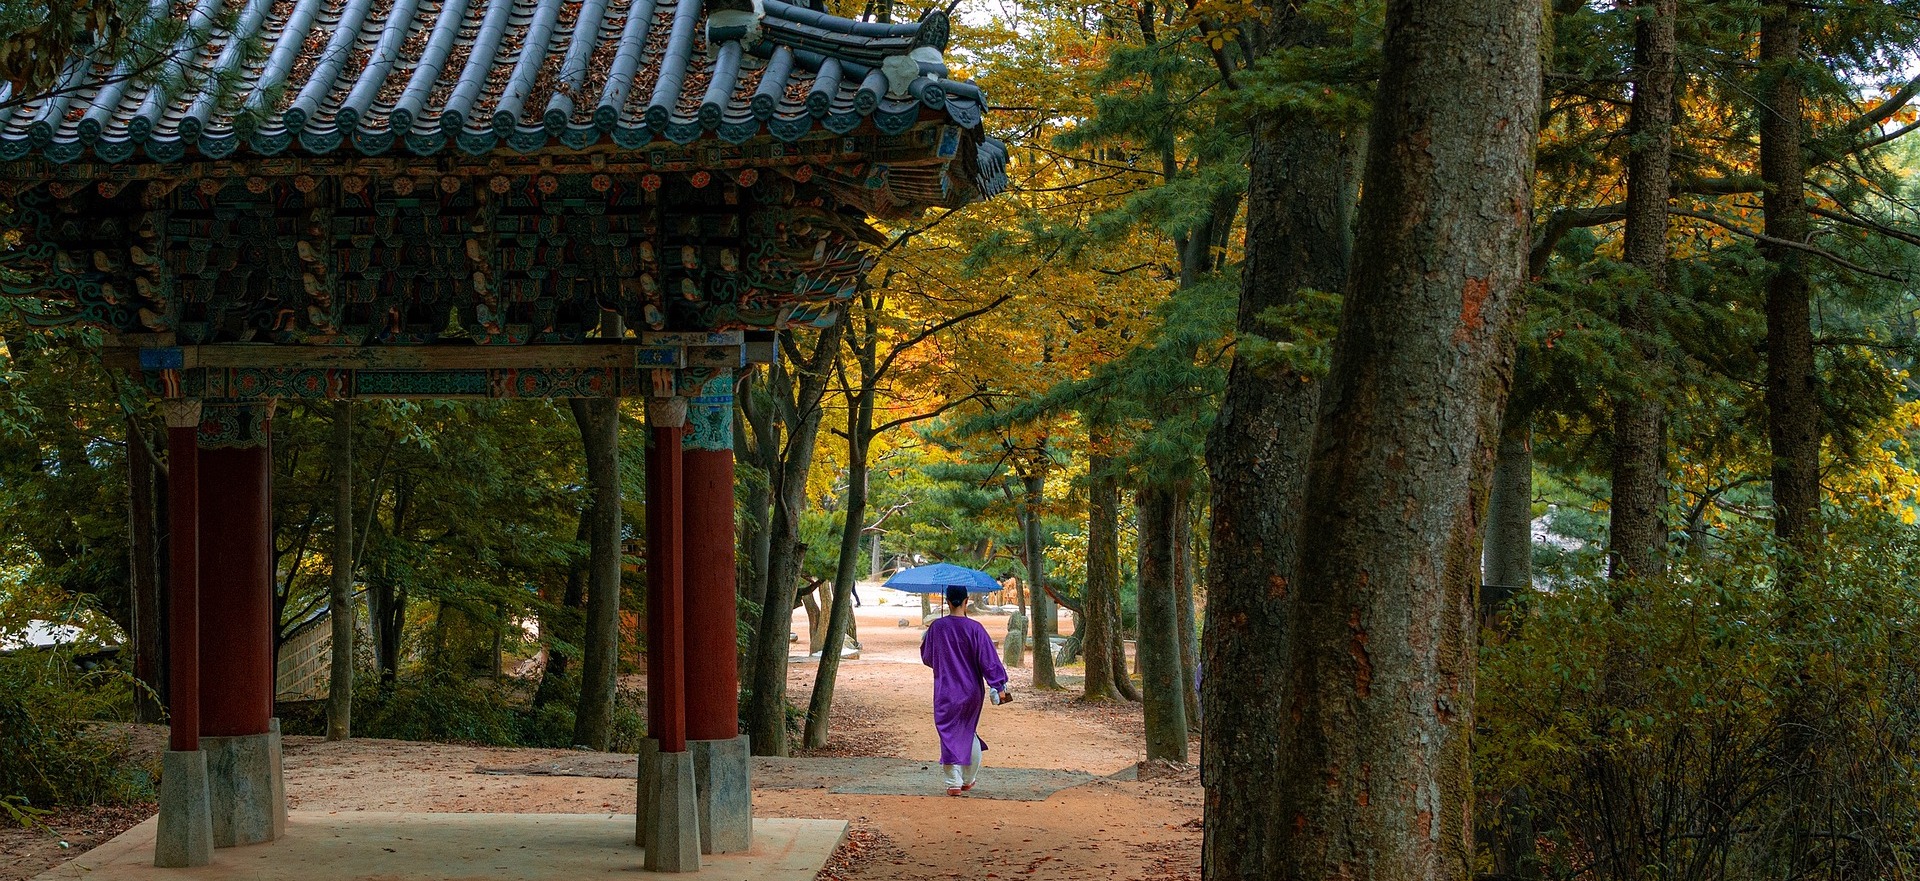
{"x":185,"y":834}
{"x":667,"y":817}
{"x":245,"y":786}
{"x":723,"y":789}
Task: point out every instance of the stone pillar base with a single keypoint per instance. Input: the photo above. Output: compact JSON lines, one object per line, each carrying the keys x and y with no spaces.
{"x":723,"y":784}
{"x":279,"y":779}
{"x":185,"y":836}
{"x":247,"y":790}
{"x":667,"y":816}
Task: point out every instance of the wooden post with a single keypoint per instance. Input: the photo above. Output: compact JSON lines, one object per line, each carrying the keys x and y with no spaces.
{"x":666,"y":628}
{"x":235,"y":486}
{"x":713,"y":673}
{"x":183,"y":586}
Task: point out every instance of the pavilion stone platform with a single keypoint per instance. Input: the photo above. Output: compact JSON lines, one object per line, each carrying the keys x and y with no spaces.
{"x":365,"y":846}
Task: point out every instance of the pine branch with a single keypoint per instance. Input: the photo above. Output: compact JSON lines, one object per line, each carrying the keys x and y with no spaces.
{"x":1803,"y":247}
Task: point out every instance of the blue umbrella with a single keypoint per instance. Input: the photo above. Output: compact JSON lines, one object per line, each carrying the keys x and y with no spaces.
{"x":940,"y":576}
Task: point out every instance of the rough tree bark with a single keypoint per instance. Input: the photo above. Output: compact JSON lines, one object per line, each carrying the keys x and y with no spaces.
{"x":1299,"y":236}
{"x":340,"y":607}
{"x":599,"y":422}
{"x":1159,"y":642}
{"x":1793,"y":404}
{"x":1103,"y":573}
{"x":1374,"y":777}
{"x":1792,"y":397}
{"x":1044,"y":614}
{"x":767,"y":709}
{"x":1637,"y":536}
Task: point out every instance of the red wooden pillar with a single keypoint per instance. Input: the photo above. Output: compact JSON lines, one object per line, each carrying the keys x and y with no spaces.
{"x":183,"y":588}
{"x":666,"y":651}
{"x":236,"y":572}
{"x":713,"y":674}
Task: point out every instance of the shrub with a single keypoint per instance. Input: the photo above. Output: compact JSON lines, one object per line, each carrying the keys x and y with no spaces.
{"x":53,"y":749}
{"x":1643,"y":730}
{"x":449,"y":708}
{"x":437,"y":706}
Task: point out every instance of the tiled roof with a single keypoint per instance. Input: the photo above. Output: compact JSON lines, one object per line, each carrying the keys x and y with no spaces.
{"x":385,"y":77}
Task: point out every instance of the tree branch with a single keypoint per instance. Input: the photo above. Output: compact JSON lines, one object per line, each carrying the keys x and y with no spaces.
{"x":1803,"y":247}
{"x":1563,"y":221}
{"x":918,"y":338}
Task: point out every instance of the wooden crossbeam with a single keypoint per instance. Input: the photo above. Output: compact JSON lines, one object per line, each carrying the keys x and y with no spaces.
{"x":269,"y":355}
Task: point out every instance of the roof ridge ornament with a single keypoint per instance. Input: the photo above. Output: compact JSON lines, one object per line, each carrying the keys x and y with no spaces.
{"x":735,"y":20}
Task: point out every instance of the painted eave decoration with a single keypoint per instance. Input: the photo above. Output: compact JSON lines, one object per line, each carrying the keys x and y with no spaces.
{"x":335,"y":78}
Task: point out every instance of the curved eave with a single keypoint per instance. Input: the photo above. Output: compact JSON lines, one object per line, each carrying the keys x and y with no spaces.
{"x":483,"y":77}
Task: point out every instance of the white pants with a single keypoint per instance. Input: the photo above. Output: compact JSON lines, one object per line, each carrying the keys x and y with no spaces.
{"x":959,"y":776}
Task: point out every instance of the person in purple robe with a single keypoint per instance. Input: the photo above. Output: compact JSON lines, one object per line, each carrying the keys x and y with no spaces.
{"x":962,"y":657}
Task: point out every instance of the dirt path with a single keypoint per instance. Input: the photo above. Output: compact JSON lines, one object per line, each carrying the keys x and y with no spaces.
{"x":1105,"y":829}
{"x":889,"y":682}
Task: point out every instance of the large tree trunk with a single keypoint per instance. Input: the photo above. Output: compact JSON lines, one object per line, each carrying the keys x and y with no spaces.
{"x":1637,"y":537}
{"x":1506,"y":564}
{"x":599,"y":422}
{"x":1374,"y":777}
{"x":820,"y":705}
{"x":340,"y":611}
{"x":1299,"y":235}
{"x":1184,"y":570}
{"x":143,"y":573}
{"x":1159,"y":643}
{"x":1506,"y":579}
{"x":1044,"y":614}
{"x":816,"y":621}
{"x":767,"y":709}
{"x":386,"y":599}
{"x":1792,"y":398}
{"x":1793,"y":404}
{"x":1103,"y":573}
{"x":759,"y":449}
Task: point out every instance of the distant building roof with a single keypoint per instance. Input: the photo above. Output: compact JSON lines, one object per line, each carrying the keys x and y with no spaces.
{"x":380,"y":77}
{"x":41,"y":634}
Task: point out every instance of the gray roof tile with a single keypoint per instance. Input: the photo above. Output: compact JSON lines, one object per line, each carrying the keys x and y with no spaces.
{"x":317,"y":77}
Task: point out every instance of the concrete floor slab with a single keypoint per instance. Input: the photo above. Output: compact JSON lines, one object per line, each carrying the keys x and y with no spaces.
{"x":370,"y":846}
{"x":844,"y":776}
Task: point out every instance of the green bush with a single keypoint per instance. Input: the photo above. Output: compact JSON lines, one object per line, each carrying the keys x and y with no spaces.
{"x":448,"y":708}
{"x":1704,"y":726}
{"x":438,"y":706}
{"x":53,"y":749}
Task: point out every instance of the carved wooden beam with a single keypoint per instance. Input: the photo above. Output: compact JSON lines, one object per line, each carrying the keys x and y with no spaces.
{"x":620,"y":355}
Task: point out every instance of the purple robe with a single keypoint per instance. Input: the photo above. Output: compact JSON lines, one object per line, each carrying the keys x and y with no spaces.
{"x":961,"y":655}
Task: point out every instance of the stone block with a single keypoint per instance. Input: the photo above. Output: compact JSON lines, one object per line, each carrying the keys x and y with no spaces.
{"x":668,"y":815}
{"x":723,"y":783}
{"x":278,"y":782}
{"x":245,"y":787}
{"x":184,"y":836}
{"x":643,"y":797}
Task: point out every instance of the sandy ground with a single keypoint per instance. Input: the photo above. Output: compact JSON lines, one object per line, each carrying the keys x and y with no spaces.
{"x":1105,"y":829}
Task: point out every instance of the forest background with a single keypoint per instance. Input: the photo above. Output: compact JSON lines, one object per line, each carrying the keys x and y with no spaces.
{"x":1699,"y":587}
